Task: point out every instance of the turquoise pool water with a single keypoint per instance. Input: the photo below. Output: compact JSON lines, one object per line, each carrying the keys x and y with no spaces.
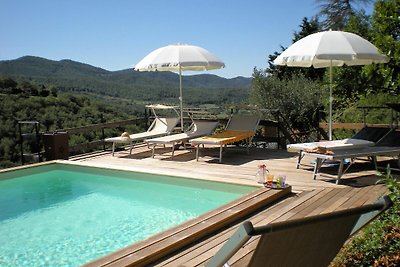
{"x":65,"y":215}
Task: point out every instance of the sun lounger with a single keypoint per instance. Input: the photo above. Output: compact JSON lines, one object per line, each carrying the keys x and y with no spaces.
{"x":388,"y":146}
{"x":367,"y":136}
{"x":197,"y":129}
{"x":310,"y":241}
{"x":159,"y":127}
{"x":351,"y":154}
{"x":239,"y":128}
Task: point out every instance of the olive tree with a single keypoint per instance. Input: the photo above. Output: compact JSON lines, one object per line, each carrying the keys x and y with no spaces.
{"x":298,"y":99}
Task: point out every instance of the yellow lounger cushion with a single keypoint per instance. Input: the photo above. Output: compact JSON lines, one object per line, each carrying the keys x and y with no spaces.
{"x":223,"y":138}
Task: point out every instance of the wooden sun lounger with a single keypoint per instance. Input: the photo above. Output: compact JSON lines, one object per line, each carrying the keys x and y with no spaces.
{"x":239,"y":128}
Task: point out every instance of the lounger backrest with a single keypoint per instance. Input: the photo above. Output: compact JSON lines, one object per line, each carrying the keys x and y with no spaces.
{"x":392,"y":139}
{"x":243,"y":123}
{"x":203,"y":127}
{"x":163,"y":125}
{"x":373,"y":134}
{"x":310,"y":241}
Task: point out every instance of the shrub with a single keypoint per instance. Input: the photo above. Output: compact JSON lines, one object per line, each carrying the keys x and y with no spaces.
{"x":298,"y":99}
{"x":379,"y":243}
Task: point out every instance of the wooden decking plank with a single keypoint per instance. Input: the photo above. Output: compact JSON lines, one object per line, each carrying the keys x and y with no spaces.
{"x":280,"y":210}
{"x":378,"y":190}
{"x":358,"y":194}
{"x":318,"y":205}
{"x":345,"y":195}
{"x":196,"y":249}
{"x":329,"y":201}
{"x":356,"y":198}
{"x":306,"y":208}
{"x":243,"y":262}
{"x":373,"y":194}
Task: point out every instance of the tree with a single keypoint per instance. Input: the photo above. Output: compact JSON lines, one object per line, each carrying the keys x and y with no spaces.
{"x":386,"y":36}
{"x":350,"y":81}
{"x":282,"y":72}
{"x":298,"y":99}
{"x":53,"y":90}
{"x":8,"y":83}
{"x":336,"y":13}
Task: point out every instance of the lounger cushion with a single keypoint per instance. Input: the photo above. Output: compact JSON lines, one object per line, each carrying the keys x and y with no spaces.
{"x":222,"y":138}
{"x":331,"y":145}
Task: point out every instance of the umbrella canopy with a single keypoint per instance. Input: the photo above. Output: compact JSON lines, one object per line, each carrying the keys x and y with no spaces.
{"x":179,"y":57}
{"x":328,"y":49}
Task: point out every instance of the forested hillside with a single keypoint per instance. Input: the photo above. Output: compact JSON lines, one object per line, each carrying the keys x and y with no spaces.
{"x":29,"y":102}
{"x":70,"y":76}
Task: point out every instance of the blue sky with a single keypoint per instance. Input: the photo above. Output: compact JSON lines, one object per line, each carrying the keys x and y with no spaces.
{"x":115,"y":35}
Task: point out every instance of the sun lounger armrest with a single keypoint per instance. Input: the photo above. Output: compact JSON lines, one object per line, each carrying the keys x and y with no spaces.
{"x":381,"y":205}
{"x":235,"y":242}
{"x":367,"y":213}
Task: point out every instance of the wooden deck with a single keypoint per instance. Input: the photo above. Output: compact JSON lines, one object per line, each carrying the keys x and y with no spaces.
{"x":237,"y":166}
{"x":306,"y":204}
{"x":310,"y":197}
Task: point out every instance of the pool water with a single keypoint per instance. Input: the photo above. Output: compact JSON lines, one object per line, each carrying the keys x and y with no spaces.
{"x":63,"y":215}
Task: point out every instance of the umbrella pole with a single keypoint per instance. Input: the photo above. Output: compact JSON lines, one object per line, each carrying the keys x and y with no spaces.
{"x":330,"y":101}
{"x":180,"y":95}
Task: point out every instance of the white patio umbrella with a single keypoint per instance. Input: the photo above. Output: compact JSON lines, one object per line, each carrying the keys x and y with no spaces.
{"x":179,"y":57}
{"x":327,"y":49}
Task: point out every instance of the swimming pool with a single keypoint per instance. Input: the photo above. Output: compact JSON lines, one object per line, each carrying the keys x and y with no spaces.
{"x":59,"y":214}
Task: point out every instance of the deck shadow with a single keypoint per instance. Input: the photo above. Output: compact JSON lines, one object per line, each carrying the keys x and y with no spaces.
{"x":238,"y":155}
{"x":360,"y":181}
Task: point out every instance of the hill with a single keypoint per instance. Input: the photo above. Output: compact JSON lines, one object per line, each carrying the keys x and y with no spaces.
{"x":68,"y":75}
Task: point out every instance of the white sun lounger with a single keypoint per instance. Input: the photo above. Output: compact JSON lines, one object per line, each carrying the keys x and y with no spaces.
{"x":353,"y":153}
{"x":159,"y":127}
{"x":368,"y":136}
{"x":197,"y":129}
{"x":388,"y":146}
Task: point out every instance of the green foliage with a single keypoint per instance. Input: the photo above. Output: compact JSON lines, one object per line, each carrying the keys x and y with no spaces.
{"x":337,"y":13}
{"x":350,"y":82}
{"x":386,"y":36}
{"x":373,"y":115}
{"x":53,"y":112}
{"x":298,"y":99}
{"x":379,"y":243}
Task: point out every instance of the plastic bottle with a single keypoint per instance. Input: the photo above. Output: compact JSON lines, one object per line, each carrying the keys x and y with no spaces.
{"x":260,"y":175}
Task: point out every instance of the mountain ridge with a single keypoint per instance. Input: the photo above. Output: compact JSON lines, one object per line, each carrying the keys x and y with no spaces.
{"x":69,"y":75}
{"x":36,"y":59}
